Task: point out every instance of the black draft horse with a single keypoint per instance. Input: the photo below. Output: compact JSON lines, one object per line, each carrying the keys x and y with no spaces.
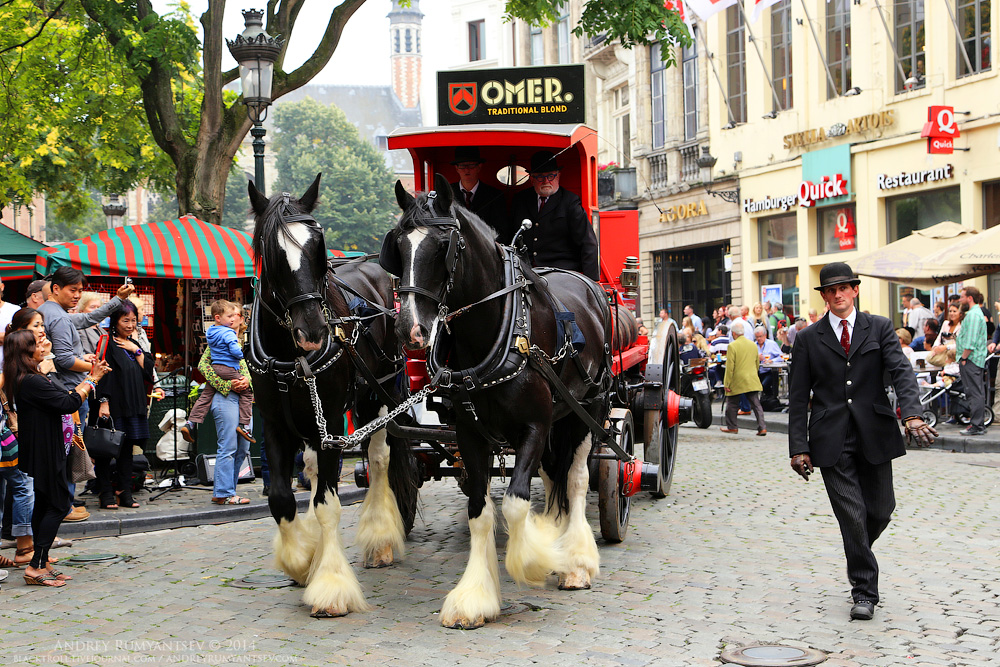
{"x":300,"y":302}
{"x":520,"y":410}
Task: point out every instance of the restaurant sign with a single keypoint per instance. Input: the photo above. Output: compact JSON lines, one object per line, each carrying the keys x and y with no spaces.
{"x":940,"y":130}
{"x":553,"y":94}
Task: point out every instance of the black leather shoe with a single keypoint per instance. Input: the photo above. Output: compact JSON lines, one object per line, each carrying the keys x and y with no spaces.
{"x":863,"y":610}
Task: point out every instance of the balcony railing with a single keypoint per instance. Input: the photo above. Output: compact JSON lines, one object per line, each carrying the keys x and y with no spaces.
{"x":658,"y":176}
{"x":689,"y":164}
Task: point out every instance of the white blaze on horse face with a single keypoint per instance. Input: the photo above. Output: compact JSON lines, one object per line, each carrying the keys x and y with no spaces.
{"x":413,"y":238}
{"x":293,"y":253}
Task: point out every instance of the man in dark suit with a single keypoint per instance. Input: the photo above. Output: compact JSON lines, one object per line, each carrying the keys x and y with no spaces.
{"x":852,"y":434}
{"x":486,"y":202}
{"x":560,"y":235}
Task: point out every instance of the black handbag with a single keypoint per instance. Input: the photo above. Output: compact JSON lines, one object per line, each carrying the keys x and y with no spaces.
{"x":104,"y":443}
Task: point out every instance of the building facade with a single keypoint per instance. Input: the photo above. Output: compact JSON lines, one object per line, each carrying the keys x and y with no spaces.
{"x":828,"y":117}
{"x":26,"y":219}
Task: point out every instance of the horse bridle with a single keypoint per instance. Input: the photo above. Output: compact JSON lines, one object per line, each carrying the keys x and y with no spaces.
{"x":456,"y":244}
{"x":285,"y":320}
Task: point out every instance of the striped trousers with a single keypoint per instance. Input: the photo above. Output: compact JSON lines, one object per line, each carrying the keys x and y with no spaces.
{"x":863,"y":501}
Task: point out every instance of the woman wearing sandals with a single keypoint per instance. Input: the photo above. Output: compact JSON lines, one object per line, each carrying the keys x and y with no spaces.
{"x":42,"y":447}
{"x":122,"y":397}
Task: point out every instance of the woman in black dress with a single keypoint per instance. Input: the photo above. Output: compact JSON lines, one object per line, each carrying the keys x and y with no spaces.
{"x":122,"y":396}
{"x":42,"y":446}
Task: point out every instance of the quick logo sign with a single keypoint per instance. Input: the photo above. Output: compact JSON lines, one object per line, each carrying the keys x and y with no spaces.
{"x":828,"y":188}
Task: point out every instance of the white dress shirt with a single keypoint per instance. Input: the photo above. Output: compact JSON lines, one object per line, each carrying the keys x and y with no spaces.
{"x":835,"y":323}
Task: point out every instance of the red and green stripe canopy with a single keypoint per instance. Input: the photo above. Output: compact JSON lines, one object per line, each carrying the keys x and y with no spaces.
{"x":10,"y":270}
{"x":184,"y":248}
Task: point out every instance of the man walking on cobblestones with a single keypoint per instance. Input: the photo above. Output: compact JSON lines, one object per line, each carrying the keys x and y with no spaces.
{"x":970,"y":345}
{"x":852,"y":434}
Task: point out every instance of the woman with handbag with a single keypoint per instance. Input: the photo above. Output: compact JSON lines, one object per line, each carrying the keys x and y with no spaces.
{"x":122,"y":398}
{"x":42,"y":447}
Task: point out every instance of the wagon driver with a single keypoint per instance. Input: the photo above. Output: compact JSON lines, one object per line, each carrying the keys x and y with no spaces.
{"x":561,"y":235}
{"x":851,"y":433}
{"x":485,"y":201}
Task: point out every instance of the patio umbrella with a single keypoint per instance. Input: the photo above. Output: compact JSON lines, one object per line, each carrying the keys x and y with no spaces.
{"x":981,"y":249}
{"x":908,"y":260}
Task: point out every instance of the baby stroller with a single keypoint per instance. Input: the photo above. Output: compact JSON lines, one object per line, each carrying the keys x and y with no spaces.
{"x":949,"y":387}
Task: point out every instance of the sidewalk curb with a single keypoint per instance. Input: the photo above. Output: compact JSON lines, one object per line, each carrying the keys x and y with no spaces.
{"x":777,"y":422}
{"x":165,"y":520}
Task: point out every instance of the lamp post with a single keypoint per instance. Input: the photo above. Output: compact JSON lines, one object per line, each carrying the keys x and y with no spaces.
{"x":256,"y":52}
{"x":114,"y":210}
{"x":705,"y":163}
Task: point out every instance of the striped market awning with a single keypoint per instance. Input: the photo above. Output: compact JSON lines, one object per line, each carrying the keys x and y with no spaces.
{"x":184,"y":248}
{"x":10,"y":270}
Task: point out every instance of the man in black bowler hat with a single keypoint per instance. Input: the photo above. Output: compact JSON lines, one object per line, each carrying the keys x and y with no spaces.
{"x":485,"y":201}
{"x":561,"y":235}
{"x":850,"y":433}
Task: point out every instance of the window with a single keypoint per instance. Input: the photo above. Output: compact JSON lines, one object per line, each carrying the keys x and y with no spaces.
{"x":736,"y":64}
{"x":562,"y":34}
{"x":623,"y":133}
{"x":781,"y":51}
{"x":409,"y":41}
{"x":789,"y":281}
{"x":837,"y":229}
{"x":974,"y":31}
{"x":908,"y":213}
{"x":909,"y":24}
{"x":658,"y":95}
{"x":991,"y":204}
{"x":476,"y":46}
{"x":838,"y":46}
{"x":537,"y":46}
{"x":395,"y":41}
{"x":778,"y":237}
{"x":689,"y":74}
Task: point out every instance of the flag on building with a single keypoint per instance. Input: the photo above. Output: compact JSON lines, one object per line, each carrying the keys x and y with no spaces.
{"x":759,"y":6}
{"x":708,"y":8}
{"x":686,"y":17}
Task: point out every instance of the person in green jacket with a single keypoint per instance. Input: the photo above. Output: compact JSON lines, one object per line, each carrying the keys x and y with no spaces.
{"x":742,"y":364}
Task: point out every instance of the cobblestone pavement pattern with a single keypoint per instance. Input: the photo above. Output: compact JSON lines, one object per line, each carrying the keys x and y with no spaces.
{"x":741,"y":552}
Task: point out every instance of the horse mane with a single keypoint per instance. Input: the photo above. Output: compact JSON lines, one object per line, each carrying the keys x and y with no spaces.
{"x":267,"y":228}
{"x":423,"y":209}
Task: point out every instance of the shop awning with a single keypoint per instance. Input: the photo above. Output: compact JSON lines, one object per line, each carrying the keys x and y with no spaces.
{"x":18,"y":247}
{"x":910,"y":260}
{"x":184,"y":248}
{"x":976,"y":248}
{"x":10,"y":270}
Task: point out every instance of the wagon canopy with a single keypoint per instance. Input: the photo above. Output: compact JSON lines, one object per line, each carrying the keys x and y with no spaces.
{"x":184,"y":248}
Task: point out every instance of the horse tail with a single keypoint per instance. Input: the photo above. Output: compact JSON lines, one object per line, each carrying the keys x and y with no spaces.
{"x":564,"y":438}
{"x":404,"y":479}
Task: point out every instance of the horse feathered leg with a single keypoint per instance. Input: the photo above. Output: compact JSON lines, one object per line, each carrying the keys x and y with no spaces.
{"x":295,"y":540}
{"x":476,"y":598}
{"x":380,"y":528}
{"x":333,"y":588}
{"x":532,"y":550}
{"x":577,"y":540}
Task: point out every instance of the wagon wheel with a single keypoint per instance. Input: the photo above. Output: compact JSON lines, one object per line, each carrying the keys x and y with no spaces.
{"x":613,"y":503}
{"x":660,"y":437}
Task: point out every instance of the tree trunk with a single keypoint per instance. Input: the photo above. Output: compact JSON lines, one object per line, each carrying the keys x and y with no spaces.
{"x":201,"y":183}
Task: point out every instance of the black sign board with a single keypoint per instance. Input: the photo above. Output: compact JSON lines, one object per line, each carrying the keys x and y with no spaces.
{"x":517,"y":95}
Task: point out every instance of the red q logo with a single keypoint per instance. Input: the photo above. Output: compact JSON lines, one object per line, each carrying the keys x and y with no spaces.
{"x":941,"y":130}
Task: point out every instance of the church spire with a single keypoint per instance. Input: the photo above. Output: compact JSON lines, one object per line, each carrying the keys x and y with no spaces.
{"x":404,"y":45}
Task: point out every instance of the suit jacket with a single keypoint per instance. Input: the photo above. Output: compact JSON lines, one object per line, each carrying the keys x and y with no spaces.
{"x":489,"y":204}
{"x":561,"y":235}
{"x":848,"y":387}
{"x":742,"y":363}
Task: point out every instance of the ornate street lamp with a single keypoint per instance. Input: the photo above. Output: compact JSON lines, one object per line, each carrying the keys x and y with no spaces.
{"x":114,"y":210}
{"x":705,"y":163}
{"x":256,"y":52}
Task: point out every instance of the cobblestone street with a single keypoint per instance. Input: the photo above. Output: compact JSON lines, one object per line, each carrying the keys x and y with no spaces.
{"x":741,"y":552}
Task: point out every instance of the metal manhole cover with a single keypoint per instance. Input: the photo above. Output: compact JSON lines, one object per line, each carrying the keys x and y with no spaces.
{"x":87,"y":559}
{"x":773,"y":655}
{"x":263,"y":581}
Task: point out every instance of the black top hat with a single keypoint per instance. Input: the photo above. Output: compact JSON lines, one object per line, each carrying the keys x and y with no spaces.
{"x":467,"y":154}
{"x":543,"y":161}
{"x":836,"y":274}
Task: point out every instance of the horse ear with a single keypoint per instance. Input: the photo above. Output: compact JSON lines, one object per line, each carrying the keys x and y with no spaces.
{"x":308,"y":200}
{"x":403,"y":198}
{"x":257,"y":201}
{"x":444,"y":194}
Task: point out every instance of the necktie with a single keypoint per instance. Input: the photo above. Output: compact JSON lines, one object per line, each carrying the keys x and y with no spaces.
{"x":845,"y":337}
{"x":541,"y":202}
{"x":468,"y":199}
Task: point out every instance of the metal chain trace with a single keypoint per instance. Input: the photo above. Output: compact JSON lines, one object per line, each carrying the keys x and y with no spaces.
{"x":361,"y":433}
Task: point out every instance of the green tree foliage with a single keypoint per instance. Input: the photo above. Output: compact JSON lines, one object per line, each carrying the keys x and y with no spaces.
{"x":356,"y":204}
{"x":84,"y":219}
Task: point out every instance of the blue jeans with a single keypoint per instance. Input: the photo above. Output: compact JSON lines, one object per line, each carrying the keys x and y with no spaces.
{"x":233,"y":450}
{"x":22,"y":488}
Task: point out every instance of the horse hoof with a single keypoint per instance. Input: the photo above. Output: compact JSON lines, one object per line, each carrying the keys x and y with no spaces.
{"x":381,"y":558}
{"x":464,"y":624}
{"x":329,"y":612}
{"x":574,"y":581}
